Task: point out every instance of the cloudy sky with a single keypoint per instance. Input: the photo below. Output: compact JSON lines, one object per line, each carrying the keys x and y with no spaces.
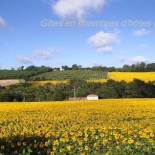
{"x":86,"y":32}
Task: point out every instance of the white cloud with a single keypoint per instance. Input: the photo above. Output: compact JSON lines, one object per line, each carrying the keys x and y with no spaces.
{"x":139,"y":59}
{"x":2,"y":22}
{"x":103,"y":42}
{"x":24,"y":60}
{"x":76,"y":8}
{"x":42,"y":54}
{"x":134,"y":60}
{"x":45,"y":53}
{"x":141,"y":32}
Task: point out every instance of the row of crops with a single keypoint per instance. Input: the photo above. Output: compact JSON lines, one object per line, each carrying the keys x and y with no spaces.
{"x":71,"y":75}
{"x":110,"y":127}
{"x":97,"y":76}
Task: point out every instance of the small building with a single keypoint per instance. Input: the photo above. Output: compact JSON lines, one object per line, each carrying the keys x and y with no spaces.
{"x":92,"y":97}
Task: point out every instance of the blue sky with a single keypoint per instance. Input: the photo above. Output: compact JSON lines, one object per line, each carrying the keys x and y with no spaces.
{"x":26,"y":40}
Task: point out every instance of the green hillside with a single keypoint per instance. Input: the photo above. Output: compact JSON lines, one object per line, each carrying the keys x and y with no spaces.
{"x":71,"y":74}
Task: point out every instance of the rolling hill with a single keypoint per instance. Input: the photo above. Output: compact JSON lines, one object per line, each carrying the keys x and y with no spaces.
{"x":70,"y":75}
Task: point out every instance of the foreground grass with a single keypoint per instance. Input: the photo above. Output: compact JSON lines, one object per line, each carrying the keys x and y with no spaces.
{"x":78,"y":127}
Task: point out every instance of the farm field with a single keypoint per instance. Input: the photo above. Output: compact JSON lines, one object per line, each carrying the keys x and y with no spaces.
{"x":129,"y":76}
{"x":98,"y":76}
{"x":58,"y":77}
{"x":117,"y":76}
{"x":56,"y":82}
{"x":113,"y":127}
{"x":71,"y":74}
{"x":42,"y":83}
{"x":4,"y":83}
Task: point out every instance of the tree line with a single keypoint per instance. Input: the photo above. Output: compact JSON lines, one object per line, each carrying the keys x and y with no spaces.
{"x":28,"y":72}
{"x":50,"y":92}
{"x":22,"y":72}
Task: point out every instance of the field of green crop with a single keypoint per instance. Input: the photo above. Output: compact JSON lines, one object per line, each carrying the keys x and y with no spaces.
{"x":72,"y":74}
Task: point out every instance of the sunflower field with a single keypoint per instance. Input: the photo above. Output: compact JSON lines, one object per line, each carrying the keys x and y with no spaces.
{"x":130,"y":76}
{"x":110,"y":127}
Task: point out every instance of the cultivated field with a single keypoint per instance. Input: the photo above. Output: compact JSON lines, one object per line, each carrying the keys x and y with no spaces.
{"x":129,"y":76}
{"x":71,"y":74}
{"x":42,"y":83}
{"x":58,"y":77}
{"x":117,"y":76}
{"x":4,"y":83}
{"x":117,"y":127}
{"x":96,"y":76}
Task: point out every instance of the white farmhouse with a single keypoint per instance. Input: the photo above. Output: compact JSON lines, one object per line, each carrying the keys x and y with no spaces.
{"x":92,"y":97}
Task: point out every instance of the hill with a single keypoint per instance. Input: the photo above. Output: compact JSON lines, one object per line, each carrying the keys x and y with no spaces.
{"x":58,"y":77}
{"x":70,"y":75}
